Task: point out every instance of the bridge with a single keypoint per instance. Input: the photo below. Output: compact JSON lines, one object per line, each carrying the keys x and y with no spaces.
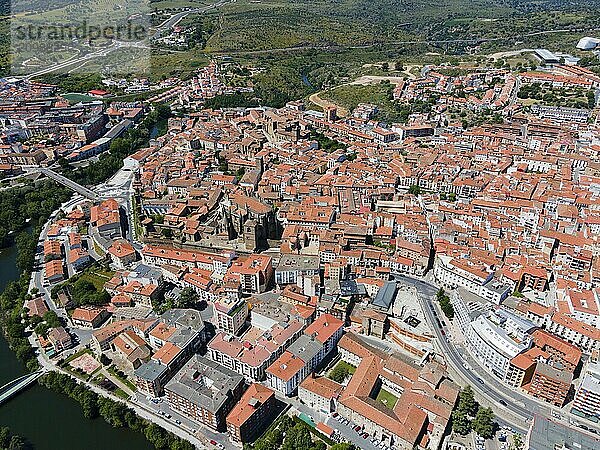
{"x":82,"y":190}
{"x":17,"y":385}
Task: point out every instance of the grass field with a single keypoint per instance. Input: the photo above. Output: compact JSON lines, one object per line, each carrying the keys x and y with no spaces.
{"x":125,"y":381}
{"x":351,"y":369}
{"x":387,"y":398}
{"x":350,"y":96}
{"x":96,"y":276}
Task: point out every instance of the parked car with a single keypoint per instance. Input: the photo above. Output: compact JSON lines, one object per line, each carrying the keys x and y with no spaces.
{"x":357,"y":428}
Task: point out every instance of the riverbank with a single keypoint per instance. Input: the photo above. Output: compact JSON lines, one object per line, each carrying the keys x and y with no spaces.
{"x":48,"y":420}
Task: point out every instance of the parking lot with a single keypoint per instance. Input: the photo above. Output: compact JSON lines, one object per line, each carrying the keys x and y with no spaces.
{"x":348,"y":431}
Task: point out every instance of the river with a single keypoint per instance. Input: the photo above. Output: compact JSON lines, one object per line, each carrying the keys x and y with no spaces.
{"x":51,"y":421}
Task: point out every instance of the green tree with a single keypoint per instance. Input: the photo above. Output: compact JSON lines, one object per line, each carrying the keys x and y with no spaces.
{"x":52,"y":319}
{"x":460,"y":423}
{"x":112,"y":412}
{"x":89,"y":404}
{"x":445,"y":303}
{"x":41,"y":329}
{"x":319,"y":445}
{"x":467,"y":402}
{"x":85,"y":293}
{"x":414,"y":190}
{"x":188,"y":298}
{"x":298,"y":438}
{"x":240,"y":173}
{"x":484,"y":424}
{"x":339,"y":373}
{"x":26,"y":244}
{"x":465,"y":411}
{"x":517,"y":442}
{"x":343,"y":446}
{"x":4,"y":437}
{"x":157,"y":436}
{"x":16,"y":443}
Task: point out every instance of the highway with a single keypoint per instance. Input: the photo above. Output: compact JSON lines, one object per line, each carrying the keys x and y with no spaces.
{"x":116,"y":45}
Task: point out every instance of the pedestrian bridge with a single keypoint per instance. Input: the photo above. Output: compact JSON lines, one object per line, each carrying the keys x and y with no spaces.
{"x":82,"y":190}
{"x":17,"y":385}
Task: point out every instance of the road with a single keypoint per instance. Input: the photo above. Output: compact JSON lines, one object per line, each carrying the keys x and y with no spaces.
{"x":175,"y":19}
{"x":513,"y":413}
{"x":115,"y":45}
{"x":512,"y":407}
{"x":199,"y":431}
{"x":139,"y":409}
{"x":339,"y":47}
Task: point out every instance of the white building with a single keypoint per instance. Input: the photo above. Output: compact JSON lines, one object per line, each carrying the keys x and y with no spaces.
{"x":496,"y":338}
{"x":319,"y":393}
{"x":453,"y":272}
{"x":588,"y":43}
{"x":230,"y":314}
{"x":587,"y":399}
{"x":291,"y":267}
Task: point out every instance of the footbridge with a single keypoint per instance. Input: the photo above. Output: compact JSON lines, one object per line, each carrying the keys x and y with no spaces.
{"x":82,"y":190}
{"x":17,"y":385}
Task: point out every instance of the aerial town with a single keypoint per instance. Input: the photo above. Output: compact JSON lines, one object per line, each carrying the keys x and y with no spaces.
{"x":357,"y":276}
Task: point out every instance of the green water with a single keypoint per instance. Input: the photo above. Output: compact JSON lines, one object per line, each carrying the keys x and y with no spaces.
{"x":51,"y":421}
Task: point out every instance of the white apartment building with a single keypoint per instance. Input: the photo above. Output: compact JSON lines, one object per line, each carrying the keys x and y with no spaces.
{"x":230,"y":314}
{"x":496,"y":338}
{"x":453,"y":273}
{"x":587,"y":399}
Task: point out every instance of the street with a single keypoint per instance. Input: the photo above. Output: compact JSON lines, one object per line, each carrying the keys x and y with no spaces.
{"x":512,"y":407}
